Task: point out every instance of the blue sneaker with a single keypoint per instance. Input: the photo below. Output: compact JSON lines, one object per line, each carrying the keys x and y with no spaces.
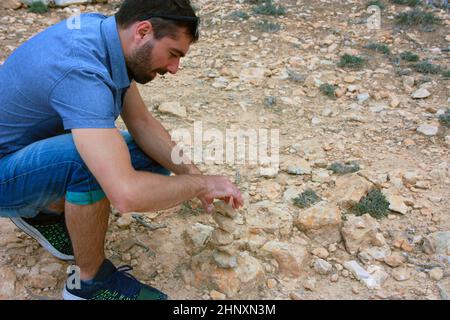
{"x":111,"y":283}
{"x":49,"y":229}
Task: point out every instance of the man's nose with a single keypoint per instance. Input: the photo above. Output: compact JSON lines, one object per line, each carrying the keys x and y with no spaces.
{"x":173,"y":66}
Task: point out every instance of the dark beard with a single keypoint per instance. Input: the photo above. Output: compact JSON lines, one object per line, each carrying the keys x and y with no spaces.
{"x":139,"y":62}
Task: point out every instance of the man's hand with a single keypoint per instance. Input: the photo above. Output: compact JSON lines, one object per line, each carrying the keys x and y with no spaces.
{"x":218,"y":187}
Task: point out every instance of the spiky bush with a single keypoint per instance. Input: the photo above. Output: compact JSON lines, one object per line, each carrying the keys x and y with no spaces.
{"x":427,"y":67}
{"x":328,"y":90}
{"x":341,"y":168}
{"x":416,"y":17}
{"x":409,"y":56}
{"x":239,"y":15}
{"x":377,"y":3}
{"x":445,"y":118}
{"x":266,"y":26}
{"x":411,"y":3}
{"x":306,"y":199}
{"x":374,"y":203}
{"x":38,"y":7}
{"x":349,"y":61}
{"x":379,"y":47}
{"x":268,"y":8}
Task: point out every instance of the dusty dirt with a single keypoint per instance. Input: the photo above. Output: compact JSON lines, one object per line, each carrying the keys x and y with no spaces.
{"x":380,"y":135}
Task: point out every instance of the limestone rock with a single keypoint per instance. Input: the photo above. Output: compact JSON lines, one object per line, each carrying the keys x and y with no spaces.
{"x":225,"y":223}
{"x":360,"y":232}
{"x":395,"y":260}
{"x":322,"y":267}
{"x":7,"y":283}
{"x":220,"y":238}
{"x":421,"y":93}
{"x":321,"y":223}
{"x":224,"y":260}
{"x":291,"y":258}
{"x":225,"y":209}
{"x":174,"y":108}
{"x":372,"y":280}
{"x":10,"y":4}
{"x":436,"y":274}
{"x":428,"y":129}
{"x":349,"y":190}
{"x":437,"y":242}
{"x":125,"y":221}
{"x":396,"y":202}
{"x":263,"y":216}
{"x":196,"y":237}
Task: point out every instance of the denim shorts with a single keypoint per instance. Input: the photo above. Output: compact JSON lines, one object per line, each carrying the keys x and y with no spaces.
{"x":45,"y":171}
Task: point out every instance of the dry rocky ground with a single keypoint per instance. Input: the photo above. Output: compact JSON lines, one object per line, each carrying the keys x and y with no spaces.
{"x":384,"y":116}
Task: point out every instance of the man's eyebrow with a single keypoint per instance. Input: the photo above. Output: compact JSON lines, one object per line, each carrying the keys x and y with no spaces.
{"x":180,"y":53}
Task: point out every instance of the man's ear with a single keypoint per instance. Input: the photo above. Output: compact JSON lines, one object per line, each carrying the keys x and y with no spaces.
{"x":144,"y":29}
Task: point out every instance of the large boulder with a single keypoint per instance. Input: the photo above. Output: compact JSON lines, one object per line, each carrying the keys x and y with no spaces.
{"x":265,"y":217}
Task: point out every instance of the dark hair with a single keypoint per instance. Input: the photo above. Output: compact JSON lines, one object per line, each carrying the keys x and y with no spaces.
{"x":167,"y":12}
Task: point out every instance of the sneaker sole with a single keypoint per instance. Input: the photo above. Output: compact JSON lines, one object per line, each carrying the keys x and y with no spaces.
{"x":66,"y":295}
{"x":34,"y":233}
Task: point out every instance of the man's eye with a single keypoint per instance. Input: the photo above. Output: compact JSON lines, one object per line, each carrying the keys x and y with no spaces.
{"x":173,"y":55}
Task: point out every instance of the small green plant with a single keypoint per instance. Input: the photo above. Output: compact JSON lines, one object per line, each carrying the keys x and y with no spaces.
{"x":341,"y":168}
{"x":38,"y":7}
{"x":239,"y":15}
{"x":268,"y":8}
{"x":328,"y":90}
{"x":416,"y":17}
{"x":379,"y":47}
{"x":266,"y":26}
{"x":409,"y":56}
{"x":427,"y":67}
{"x":374,"y":203}
{"x":411,"y":3}
{"x":445,"y":118}
{"x":377,"y":3}
{"x":306,"y":199}
{"x":349,"y":61}
{"x":446,"y":73}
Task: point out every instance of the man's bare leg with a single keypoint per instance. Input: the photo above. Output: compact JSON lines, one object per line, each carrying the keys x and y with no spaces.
{"x":87,"y":227}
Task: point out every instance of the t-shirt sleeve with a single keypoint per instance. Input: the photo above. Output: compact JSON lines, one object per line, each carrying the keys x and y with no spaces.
{"x":83,"y":100}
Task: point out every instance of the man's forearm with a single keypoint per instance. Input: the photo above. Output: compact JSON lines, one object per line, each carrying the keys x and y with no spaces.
{"x":156,"y":142}
{"x":151,"y":192}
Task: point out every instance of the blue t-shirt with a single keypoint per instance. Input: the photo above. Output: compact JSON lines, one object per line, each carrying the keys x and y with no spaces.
{"x":63,"y":78}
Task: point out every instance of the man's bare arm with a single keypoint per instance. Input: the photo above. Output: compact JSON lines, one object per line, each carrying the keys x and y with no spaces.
{"x":105,"y":153}
{"x":149,"y":134}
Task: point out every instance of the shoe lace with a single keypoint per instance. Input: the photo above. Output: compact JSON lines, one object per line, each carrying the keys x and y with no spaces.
{"x":125,"y":284}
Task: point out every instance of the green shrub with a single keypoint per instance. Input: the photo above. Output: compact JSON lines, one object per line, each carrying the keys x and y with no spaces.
{"x":445,"y":118}
{"x":446,"y":73}
{"x":374,"y":203}
{"x":427,"y":67}
{"x":379,"y":47}
{"x":328,"y":90}
{"x":239,"y":15}
{"x":349,"y":61}
{"x":268,"y":8}
{"x":416,"y":17}
{"x":266,"y":26}
{"x":409,"y":56}
{"x":341,"y":168}
{"x":411,"y":3}
{"x":377,"y":3}
{"x":38,"y":7}
{"x":306,"y":199}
